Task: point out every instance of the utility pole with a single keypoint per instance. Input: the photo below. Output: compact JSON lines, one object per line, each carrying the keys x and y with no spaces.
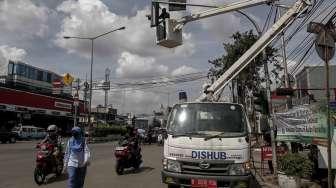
{"x":270,"y":115}
{"x":86,"y":89}
{"x":106,"y":88}
{"x":76,"y":101}
{"x":284,"y":55}
{"x":107,"y":85}
{"x":325,"y":48}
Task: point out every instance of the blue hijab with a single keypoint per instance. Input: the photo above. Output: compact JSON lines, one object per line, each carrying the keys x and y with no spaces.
{"x":77,"y":141}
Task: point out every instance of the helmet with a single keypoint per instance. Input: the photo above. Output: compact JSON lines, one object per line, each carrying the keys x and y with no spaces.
{"x":52,"y":128}
{"x":76,"y":131}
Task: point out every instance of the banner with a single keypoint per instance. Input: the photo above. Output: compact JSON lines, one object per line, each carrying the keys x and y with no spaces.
{"x":304,"y":124}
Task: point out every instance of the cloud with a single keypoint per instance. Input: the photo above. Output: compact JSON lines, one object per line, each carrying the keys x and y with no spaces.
{"x":9,"y":53}
{"x":87,"y":18}
{"x":184,"y":70}
{"x":21,"y":19}
{"x":222,"y":27}
{"x":134,"y":66}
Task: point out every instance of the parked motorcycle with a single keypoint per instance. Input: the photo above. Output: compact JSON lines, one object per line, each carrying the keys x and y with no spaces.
{"x":46,"y":163}
{"x":127,"y":157}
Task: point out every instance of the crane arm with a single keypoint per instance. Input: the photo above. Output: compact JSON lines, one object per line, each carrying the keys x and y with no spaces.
{"x":220,"y":10}
{"x":261,"y":44}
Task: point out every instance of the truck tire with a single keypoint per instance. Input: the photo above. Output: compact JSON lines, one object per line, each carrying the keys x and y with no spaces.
{"x":173,"y":186}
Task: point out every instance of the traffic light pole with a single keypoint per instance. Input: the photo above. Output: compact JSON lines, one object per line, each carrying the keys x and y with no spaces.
{"x":328,"y":115}
{"x":270,"y":115}
{"x":76,"y":102}
{"x":325,"y":47}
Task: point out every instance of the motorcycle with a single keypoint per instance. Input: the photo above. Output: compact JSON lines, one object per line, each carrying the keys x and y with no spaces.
{"x":126,"y":158}
{"x":46,"y":163}
{"x":149,"y":138}
{"x":160,"y":139}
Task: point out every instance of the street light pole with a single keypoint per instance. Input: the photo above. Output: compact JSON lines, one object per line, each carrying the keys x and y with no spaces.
{"x":91,"y":63}
{"x":90,"y":97}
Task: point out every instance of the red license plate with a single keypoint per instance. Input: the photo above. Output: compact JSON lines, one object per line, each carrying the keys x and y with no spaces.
{"x":203,"y":183}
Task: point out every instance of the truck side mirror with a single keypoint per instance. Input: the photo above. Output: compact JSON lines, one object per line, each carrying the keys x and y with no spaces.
{"x":247,"y":138}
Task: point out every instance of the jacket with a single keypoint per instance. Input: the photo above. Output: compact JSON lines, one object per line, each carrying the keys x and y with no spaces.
{"x":80,"y":159}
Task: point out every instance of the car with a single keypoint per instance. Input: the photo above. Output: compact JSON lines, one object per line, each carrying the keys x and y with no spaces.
{"x":29,"y":132}
{"x":7,"y":136}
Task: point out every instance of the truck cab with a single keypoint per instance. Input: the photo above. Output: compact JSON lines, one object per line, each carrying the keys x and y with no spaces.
{"x":207,"y":145}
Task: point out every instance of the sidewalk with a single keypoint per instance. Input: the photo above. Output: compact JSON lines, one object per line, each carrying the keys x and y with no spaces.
{"x":267,"y":179}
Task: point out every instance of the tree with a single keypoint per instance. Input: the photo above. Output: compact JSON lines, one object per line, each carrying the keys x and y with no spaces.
{"x":250,"y":77}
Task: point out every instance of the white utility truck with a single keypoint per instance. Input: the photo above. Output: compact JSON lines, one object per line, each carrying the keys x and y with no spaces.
{"x":207,"y":143}
{"x":207,"y":146}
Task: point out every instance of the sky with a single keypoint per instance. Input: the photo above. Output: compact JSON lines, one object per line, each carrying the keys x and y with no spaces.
{"x":33,"y":30}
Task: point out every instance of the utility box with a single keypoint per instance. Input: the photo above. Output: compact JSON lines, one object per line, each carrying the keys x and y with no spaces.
{"x":166,"y":36}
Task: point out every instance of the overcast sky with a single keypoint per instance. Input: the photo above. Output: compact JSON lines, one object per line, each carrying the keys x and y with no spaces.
{"x":33,"y":30}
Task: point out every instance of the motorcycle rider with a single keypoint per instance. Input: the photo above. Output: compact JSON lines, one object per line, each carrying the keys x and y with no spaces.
{"x":131,"y":137}
{"x":53,"y":138}
{"x":150,"y":135}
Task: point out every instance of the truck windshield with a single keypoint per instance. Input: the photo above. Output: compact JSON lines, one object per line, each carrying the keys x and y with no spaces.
{"x":207,"y":119}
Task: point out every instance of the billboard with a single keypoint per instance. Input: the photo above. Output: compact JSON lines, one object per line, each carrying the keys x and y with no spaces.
{"x":304,"y":124}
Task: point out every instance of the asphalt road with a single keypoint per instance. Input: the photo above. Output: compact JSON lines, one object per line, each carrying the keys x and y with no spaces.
{"x":17,"y":163}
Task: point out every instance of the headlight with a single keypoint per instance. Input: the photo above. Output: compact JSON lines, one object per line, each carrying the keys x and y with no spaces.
{"x":240,"y":169}
{"x":171,"y":165}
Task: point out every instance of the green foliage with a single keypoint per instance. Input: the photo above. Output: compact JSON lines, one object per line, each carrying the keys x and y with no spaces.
{"x":103,"y":131}
{"x":295,"y":164}
{"x":250,"y":76}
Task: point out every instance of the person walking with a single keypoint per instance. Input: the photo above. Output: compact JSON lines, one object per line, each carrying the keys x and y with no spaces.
{"x":76,"y":158}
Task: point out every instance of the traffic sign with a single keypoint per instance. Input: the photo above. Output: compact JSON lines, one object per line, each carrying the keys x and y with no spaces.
{"x":67,"y":79}
{"x":57,"y":84}
{"x":325,"y":46}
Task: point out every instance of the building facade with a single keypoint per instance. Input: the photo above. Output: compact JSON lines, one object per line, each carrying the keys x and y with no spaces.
{"x":311,"y":80}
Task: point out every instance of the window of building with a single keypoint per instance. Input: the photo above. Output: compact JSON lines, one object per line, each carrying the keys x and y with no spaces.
{"x":45,"y":76}
{"x":49,"y":77}
{"x":22,"y":70}
{"x":40,"y":75}
{"x":10,"y":68}
{"x":32,"y":73}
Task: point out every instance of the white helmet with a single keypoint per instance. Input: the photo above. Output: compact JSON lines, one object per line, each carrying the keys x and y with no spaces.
{"x":52,"y":128}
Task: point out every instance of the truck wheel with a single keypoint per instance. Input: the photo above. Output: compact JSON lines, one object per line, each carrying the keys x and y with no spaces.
{"x":174,"y":186}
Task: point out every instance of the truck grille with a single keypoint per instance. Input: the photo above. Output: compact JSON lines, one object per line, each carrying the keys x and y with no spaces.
{"x":189,"y":167}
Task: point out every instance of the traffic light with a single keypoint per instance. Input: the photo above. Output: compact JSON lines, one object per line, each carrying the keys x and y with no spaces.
{"x":260,"y":102}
